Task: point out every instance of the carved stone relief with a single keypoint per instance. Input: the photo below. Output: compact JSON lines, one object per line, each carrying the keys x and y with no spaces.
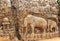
{"x":38,"y":25}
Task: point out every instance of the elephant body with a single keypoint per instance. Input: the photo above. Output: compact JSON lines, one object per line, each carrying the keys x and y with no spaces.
{"x":52,"y":25}
{"x":35,"y":21}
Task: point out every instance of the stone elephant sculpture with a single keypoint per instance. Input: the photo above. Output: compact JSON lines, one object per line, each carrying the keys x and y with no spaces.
{"x":52,"y":25}
{"x":35,"y":21}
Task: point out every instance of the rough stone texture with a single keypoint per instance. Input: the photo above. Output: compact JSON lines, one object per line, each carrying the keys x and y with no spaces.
{"x":6,"y":11}
{"x":17,"y":10}
{"x":37,"y":6}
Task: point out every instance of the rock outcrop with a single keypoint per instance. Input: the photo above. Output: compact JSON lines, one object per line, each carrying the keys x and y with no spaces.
{"x":17,"y":10}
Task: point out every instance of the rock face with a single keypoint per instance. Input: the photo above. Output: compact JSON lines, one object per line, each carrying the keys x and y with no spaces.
{"x":37,"y":6}
{"x":5,"y":3}
{"x":17,"y":10}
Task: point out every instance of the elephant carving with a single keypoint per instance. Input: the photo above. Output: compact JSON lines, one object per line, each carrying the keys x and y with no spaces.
{"x":35,"y":21}
{"x":52,"y":25}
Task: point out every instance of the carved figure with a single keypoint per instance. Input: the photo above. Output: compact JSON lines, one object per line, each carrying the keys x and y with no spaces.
{"x":52,"y":25}
{"x":35,"y":22}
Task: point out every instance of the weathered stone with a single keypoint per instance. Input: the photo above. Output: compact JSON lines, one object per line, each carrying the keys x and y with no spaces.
{"x":15,"y":11}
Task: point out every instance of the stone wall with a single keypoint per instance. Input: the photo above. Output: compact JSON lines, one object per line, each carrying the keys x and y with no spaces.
{"x":17,"y":10}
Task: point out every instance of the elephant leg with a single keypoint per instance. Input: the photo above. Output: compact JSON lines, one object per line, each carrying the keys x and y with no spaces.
{"x":32,"y":26}
{"x":51,"y":28}
{"x":56,"y":28}
{"x":48,"y":29}
{"x":44,"y":30}
{"x":26,"y":31}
